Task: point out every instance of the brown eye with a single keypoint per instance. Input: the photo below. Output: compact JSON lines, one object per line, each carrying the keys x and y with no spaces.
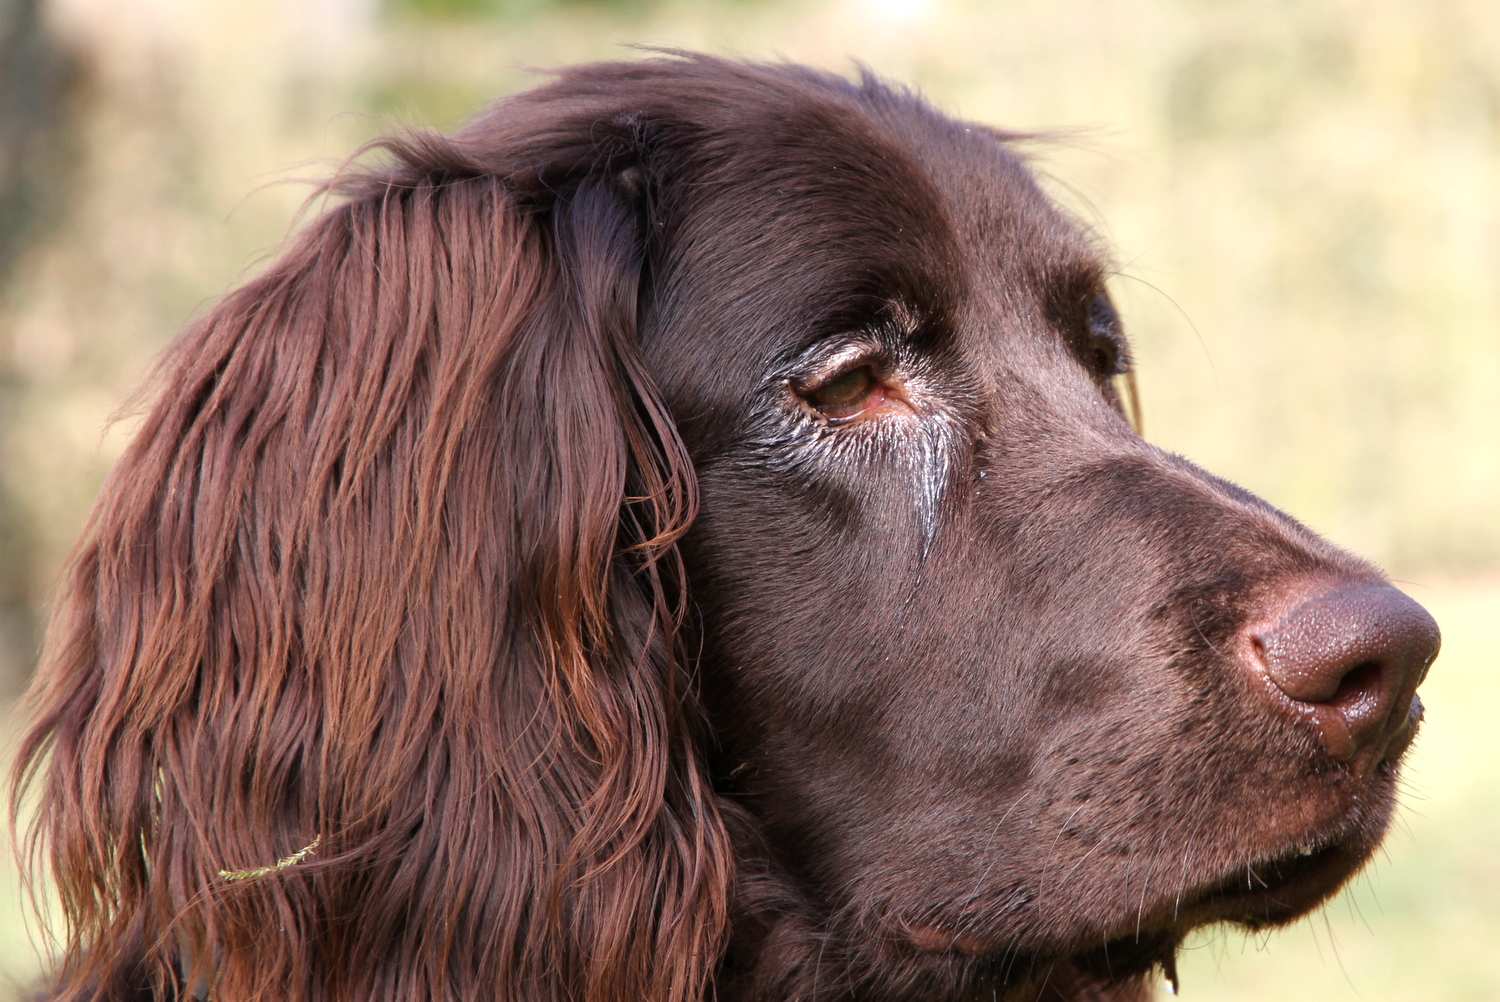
{"x":1106,"y":358}
{"x":847,"y":394}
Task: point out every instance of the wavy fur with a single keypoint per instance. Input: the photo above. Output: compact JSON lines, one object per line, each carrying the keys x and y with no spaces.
{"x":392,"y":562}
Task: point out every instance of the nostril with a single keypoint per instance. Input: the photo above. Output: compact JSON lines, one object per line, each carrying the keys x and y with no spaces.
{"x":1352,"y":659}
{"x":1360,"y":692}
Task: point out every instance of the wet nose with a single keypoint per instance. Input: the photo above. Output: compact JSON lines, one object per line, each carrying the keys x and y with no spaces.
{"x":1351,"y":660}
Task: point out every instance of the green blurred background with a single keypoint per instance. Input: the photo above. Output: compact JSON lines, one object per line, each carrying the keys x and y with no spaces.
{"x":1303,"y":195}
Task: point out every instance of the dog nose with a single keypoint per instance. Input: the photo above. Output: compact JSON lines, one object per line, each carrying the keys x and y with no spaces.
{"x":1352,"y":661}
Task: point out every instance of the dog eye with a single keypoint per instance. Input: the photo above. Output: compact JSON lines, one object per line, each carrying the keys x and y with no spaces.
{"x":1106,"y":350}
{"x":847,"y":395}
{"x":1106,"y":358}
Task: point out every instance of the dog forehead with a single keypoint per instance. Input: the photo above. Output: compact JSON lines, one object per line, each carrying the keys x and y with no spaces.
{"x":1021,"y":249}
{"x":799,"y":223}
{"x":1031,"y":271}
{"x":983,"y":175}
{"x":795,"y":213}
{"x":875,"y":176}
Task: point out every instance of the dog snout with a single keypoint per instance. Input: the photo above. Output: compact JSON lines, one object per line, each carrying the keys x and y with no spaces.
{"x":1350,"y":659}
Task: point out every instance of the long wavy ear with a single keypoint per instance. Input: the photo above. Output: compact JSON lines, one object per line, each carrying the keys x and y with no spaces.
{"x":365,"y":682}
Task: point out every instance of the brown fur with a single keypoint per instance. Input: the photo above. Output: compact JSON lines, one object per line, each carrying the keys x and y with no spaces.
{"x":408,"y":557}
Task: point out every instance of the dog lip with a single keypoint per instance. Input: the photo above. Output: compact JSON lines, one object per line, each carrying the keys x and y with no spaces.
{"x":1401,"y":740}
{"x":1278,"y":888}
{"x":1271,"y":890}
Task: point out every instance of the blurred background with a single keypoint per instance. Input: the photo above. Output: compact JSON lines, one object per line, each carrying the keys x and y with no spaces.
{"x":1303,"y":197}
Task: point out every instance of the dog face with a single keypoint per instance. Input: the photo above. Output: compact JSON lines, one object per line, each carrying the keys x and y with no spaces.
{"x":954,"y":687}
{"x":979,"y":657}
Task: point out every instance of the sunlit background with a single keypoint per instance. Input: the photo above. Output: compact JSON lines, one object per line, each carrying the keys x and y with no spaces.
{"x":1303,"y":197}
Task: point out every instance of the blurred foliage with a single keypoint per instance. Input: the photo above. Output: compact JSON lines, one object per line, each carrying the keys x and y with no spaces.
{"x":36,"y":81}
{"x":461,"y":9}
{"x":1303,"y":195}
{"x":508,"y":10}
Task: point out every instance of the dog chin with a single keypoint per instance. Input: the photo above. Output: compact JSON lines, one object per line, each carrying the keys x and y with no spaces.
{"x":1266,"y":893}
{"x":1299,"y":867}
{"x":1271,"y":890}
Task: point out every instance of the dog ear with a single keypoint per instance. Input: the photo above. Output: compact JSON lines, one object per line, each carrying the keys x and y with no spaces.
{"x":366,"y":679}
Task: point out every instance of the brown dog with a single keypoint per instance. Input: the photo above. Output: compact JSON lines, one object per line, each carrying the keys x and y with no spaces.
{"x":679,"y":538}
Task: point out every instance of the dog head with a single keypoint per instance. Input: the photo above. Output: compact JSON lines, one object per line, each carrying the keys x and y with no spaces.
{"x":684,"y":527}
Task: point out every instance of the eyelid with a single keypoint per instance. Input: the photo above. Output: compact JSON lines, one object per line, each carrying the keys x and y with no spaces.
{"x":823,"y":368}
{"x":886,"y":389}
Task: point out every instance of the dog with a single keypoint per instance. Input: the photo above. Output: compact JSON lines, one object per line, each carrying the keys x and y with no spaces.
{"x":683,"y":536}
